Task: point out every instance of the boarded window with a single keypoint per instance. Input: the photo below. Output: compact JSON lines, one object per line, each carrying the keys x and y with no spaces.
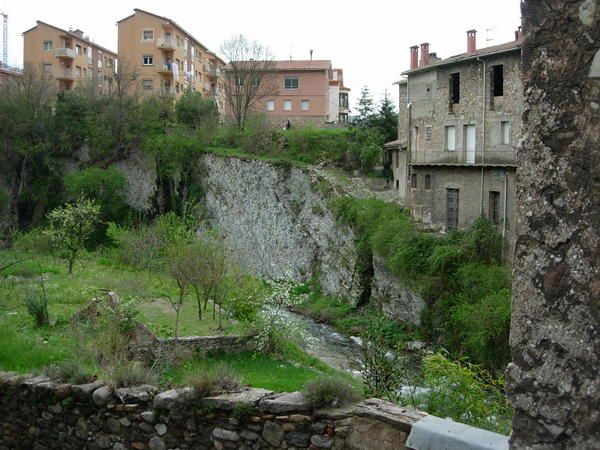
{"x":413,"y":181}
{"x":505,"y":132}
{"x":494,"y":207}
{"x":147,"y":85}
{"x":428,"y":134}
{"x":450,"y":138}
{"x":498,"y":81}
{"x":454,"y":88}
{"x":451,"y":209}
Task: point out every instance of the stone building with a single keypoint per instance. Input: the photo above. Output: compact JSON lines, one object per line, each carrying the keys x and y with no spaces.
{"x":459,"y":124}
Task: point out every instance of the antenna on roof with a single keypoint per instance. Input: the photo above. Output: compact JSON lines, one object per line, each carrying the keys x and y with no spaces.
{"x":487,"y":32}
{"x":311,"y":52}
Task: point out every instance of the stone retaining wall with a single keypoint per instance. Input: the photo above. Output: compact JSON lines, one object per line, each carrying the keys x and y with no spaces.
{"x":38,"y":413}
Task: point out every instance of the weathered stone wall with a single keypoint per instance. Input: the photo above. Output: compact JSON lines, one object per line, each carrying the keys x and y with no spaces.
{"x":39,"y":414}
{"x":397,"y":300}
{"x":277,"y":222}
{"x":553,"y":382}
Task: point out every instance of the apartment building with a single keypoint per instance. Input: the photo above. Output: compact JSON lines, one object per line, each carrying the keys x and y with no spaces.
{"x":166,"y":58}
{"x":69,"y":56}
{"x":9,"y":77}
{"x":300,"y":93}
{"x":338,"y":98}
{"x":459,"y":125}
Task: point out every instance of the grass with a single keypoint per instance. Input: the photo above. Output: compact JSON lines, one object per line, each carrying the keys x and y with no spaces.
{"x":259,"y":370}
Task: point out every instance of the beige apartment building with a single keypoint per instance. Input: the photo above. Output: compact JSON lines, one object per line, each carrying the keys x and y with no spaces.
{"x":69,"y":56}
{"x":166,"y":58}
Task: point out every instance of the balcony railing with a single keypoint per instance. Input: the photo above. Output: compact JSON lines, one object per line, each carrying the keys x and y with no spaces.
{"x":168,"y":91}
{"x":167,"y":68}
{"x":210,"y":70}
{"x":66,"y":74}
{"x":500,"y":157}
{"x":65,"y":53}
{"x":167,"y":43}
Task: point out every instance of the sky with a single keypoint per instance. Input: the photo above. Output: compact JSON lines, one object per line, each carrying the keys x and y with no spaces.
{"x":369,"y":40}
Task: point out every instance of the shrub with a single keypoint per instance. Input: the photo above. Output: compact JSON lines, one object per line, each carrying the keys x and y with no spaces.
{"x":466,"y":393}
{"x":242,"y":410}
{"x":331,"y":391}
{"x":69,"y":371}
{"x":213,"y":379}
{"x":130,"y":373}
{"x":36,"y":302}
{"x":34,"y":241}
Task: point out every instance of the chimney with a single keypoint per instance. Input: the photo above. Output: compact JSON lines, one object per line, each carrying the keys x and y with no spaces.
{"x":414,"y":57}
{"x":425,"y":54}
{"x":518,"y":33}
{"x":311,"y":52}
{"x":471,"y":41}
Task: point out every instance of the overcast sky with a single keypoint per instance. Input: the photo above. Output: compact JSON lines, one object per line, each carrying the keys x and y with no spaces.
{"x":369,"y":40}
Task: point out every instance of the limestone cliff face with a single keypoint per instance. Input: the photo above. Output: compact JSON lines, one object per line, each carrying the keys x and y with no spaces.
{"x":277,"y":222}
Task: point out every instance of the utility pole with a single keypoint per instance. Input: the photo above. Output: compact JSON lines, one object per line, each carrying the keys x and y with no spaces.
{"x":4,"y":38}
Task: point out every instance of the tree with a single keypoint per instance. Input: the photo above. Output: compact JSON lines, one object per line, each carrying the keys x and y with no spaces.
{"x":365,"y":108}
{"x":71,"y":225}
{"x":180,"y":262}
{"x":246,"y":76}
{"x":194,"y":110}
{"x":386,"y":118}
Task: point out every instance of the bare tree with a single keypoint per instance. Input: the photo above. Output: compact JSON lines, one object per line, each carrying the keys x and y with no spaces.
{"x":246,"y":76}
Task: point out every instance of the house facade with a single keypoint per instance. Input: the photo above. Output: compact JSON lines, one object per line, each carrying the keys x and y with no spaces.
{"x":459,"y":126}
{"x":301,"y":92}
{"x":70,"y":57}
{"x":166,"y":58}
{"x":9,"y":77}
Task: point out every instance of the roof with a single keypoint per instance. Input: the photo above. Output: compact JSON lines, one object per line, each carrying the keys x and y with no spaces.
{"x":507,"y":47}
{"x":394,"y":145}
{"x":175,"y":24}
{"x":70,"y":33}
{"x":302,"y":64}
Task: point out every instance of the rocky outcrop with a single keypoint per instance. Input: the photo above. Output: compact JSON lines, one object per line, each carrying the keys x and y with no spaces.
{"x":397,"y":300}
{"x":277,"y":222}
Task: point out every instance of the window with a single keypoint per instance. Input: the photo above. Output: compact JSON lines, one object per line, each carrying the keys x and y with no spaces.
{"x":450,"y":138}
{"x":47,"y":68}
{"x":397,"y":160}
{"x":147,"y":35}
{"x":304,"y":105}
{"x":239,"y":81}
{"x":78,"y":71}
{"x":451,"y":209}
{"x":291,"y":83}
{"x":428,"y":133}
{"x":427,"y":182}
{"x":78,"y":50}
{"x":287,"y":105}
{"x":147,"y":60}
{"x":147,"y":85}
{"x":494,"y":207}
{"x":397,"y":184}
{"x":48,"y":45}
{"x":498,"y":81}
{"x":416,"y":138}
{"x":454,"y":88}
{"x":270,"y":105}
{"x":413,"y":181}
{"x":469,"y":141}
{"x":505,"y":132}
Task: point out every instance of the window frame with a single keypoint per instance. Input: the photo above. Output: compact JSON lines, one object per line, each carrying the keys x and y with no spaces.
{"x":151,"y":59}
{"x":291,"y":78}
{"x":446,"y":140}
{"x":302,"y":103}
{"x":271,"y":103}
{"x":51,"y":42}
{"x":414,"y":182}
{"x":285,"y":103}
{"x":505,"y":132}
{"x":145,"y":84}
{"x":498,"y":86}
{"x":144,"y":30}
{"x":427,"y":182}
{"x":454,"y":88}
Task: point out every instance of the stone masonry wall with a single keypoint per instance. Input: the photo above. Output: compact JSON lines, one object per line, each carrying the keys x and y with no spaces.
{"x":553,"y":382}
{"x":40,"y":414}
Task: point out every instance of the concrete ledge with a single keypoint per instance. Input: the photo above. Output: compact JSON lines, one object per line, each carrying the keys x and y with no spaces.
{"x":433,"y":433}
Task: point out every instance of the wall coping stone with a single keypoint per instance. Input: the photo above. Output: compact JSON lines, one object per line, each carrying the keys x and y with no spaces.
{"x":165,"y":400}
{"x":229,"y":400}
{"x":85,"y":391}
{"x":285,"y":402}
{"x":142,"y":393}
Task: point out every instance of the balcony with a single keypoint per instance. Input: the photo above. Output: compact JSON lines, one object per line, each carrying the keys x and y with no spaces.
{"x":166,"y":69}
{"x":505,"y":157}
{"x":166,"y":43}
{"x":210,"y":70}
{"x":66,"y":74}
{"x":166,"y":91}
{"x":64,"y":52}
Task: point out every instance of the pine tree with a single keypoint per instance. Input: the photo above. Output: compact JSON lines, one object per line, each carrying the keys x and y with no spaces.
{"x":365,"y":108}
{"x":386,"y":118}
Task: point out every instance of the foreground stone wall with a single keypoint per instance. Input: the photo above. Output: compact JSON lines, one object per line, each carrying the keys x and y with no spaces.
{"x":37,"y":413}
{"x":553,"y":382}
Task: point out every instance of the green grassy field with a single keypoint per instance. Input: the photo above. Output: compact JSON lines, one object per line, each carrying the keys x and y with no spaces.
{"x":27,"y":349}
